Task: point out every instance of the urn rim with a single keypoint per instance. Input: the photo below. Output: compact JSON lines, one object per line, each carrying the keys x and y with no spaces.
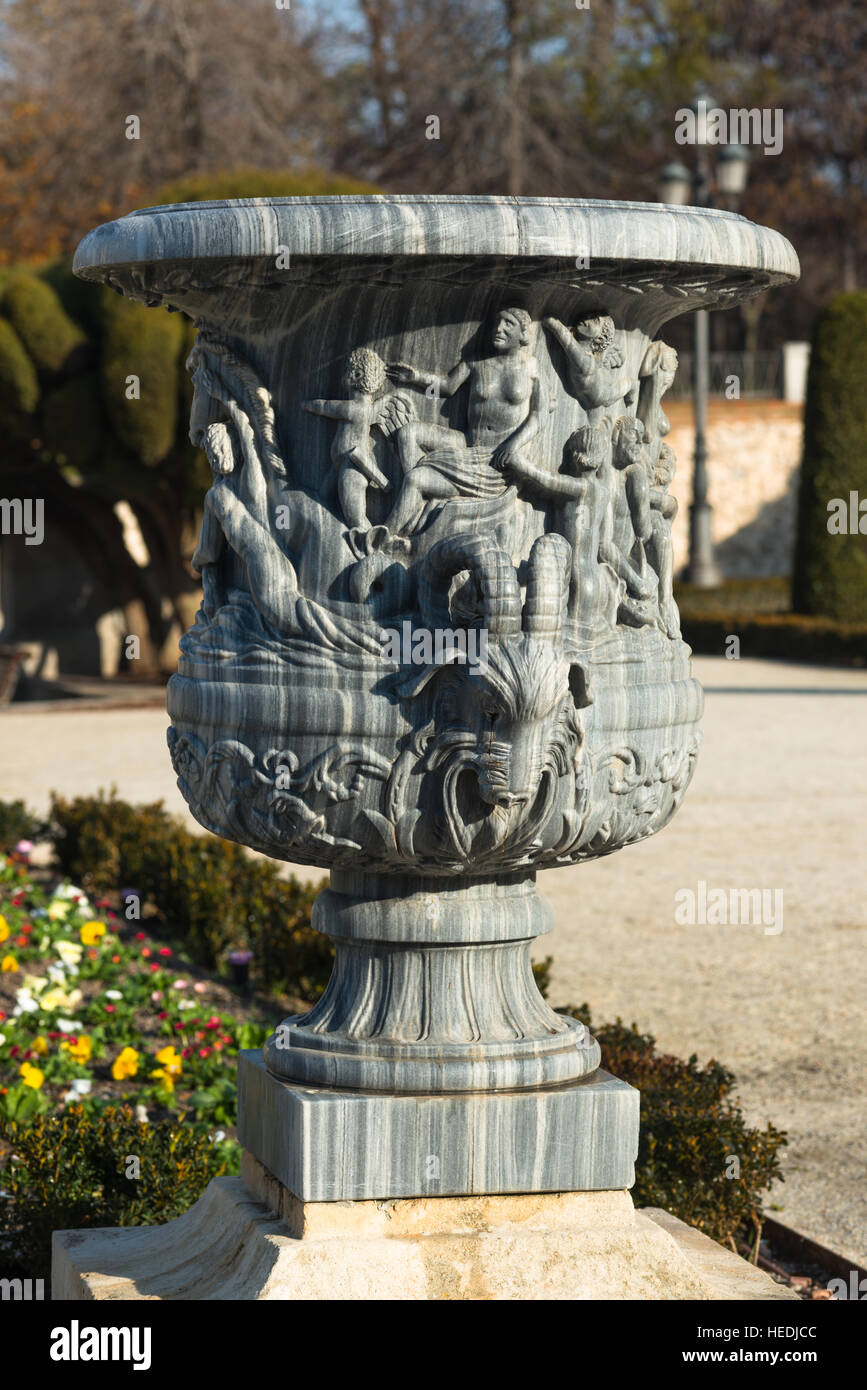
{"x":247,"y":230}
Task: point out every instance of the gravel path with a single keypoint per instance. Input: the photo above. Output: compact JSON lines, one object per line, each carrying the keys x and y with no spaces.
{"x":779,"y":801}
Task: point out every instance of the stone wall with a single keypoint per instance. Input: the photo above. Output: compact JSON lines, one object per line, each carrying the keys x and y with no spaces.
{"x":754,"y":454}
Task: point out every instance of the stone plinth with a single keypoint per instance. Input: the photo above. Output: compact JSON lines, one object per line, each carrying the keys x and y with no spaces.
{"x":332,"y":1145}
{"x":250,"y":1238}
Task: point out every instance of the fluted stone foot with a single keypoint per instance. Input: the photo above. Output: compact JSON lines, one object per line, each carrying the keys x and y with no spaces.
{"x":432,"y":991}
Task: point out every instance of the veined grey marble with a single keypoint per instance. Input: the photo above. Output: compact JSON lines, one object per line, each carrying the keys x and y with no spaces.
{"x":414,"y":1005}
{"x":438,"y":648}
{"x":328,"y":1145}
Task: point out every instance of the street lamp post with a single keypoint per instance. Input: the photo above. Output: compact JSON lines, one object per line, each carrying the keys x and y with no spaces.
{"x":679,"y":185}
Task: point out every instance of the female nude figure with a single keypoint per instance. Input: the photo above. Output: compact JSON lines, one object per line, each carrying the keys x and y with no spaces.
{"x":504,"y":410}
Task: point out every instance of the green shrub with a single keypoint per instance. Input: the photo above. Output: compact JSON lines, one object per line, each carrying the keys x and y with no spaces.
{"x":16,"y":823}
{"x":208,"y":891}
{"x":103,"y":843}
{"x":83,"y":300}
{"x":781,"y":636}
{"x":260,"y":183}
{"x":68,"y":1170}
{"x":41,"y":322}
{"x":830,"y":574}
{"x":747,"y":597}
{"x":691,"y":1130}
{"x":73,"y":422}
{"x":139,"y":342}
{"x":19,"y":384}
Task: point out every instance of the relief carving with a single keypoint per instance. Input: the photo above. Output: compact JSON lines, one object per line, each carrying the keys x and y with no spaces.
{"x":485,"y":765}
{"x":505,"y":402}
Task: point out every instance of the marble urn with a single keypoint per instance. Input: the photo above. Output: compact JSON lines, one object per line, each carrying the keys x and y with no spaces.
{"x":438,"y":649}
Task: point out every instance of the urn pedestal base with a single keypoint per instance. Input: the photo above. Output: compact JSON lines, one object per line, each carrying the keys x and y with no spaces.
{"x":331,"y":1145}
{"x":250,"y":1239}
{"x":432,"y":993}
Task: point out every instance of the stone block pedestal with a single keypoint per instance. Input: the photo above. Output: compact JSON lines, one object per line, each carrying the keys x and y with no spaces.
{"x":331,"y":1145}
{"x":250,"y":1238}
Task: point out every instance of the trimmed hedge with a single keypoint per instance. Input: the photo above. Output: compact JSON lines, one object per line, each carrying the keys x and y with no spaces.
{"x":784,"y":636}
{"x":747,"y":597}
{"x":35,"y":312}
{"x":830,"y":573}
{"x":73,"y":423}
{"x":208,"y":891}
{"x":68,"y":1170}
{"x":19,"y":384}
{"x":139,"y":342}
{"x":691,"y":1131}
{"x":259,"y":183}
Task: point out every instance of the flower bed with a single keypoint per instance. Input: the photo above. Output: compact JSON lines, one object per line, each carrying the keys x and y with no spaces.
{"x":93,"y":1010}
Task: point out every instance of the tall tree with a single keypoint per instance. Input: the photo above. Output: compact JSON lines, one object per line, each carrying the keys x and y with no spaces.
{"x":103,"y":101}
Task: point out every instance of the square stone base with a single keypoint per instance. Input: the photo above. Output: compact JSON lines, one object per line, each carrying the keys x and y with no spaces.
{"x":335,"y":1146}
{"x":250,"y":1239}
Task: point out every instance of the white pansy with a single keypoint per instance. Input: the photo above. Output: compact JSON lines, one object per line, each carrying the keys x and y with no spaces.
{"x":80,"y":1087}
{"x":113,"y":994}
{"x":67,"y":1025}
{"x":186,"y":1003}
{"x":69,"y":890}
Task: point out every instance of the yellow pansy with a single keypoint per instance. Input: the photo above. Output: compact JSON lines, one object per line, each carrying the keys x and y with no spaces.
{"x":70,"y":952}
{"x":58,"y":911}
{"x":31,"y":1076}
{"x":8,"y":964}
{"x":4,"y":927}
{"x":171,"y":1060}
{"x":80,"y":1049}
{"x":58,"y":998}
{"x":165,"y":1077}
{"x":125,"y":1064}
{"x":39,"y":1045}
{"x":91,"y":932}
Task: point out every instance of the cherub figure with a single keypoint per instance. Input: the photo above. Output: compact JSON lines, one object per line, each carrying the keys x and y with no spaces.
{"x":594,"y":364}
{"x":351,"y":448}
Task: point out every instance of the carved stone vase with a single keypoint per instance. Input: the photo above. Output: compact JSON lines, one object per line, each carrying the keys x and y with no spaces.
{"x":438,"y":649}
